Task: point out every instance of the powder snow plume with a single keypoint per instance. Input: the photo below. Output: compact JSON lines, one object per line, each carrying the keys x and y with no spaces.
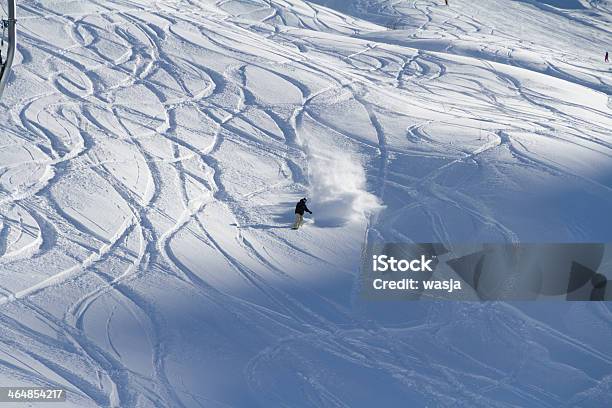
{"x":338,"y":189}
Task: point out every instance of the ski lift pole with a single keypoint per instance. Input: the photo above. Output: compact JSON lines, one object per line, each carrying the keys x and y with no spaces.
{"x":12,"y":42}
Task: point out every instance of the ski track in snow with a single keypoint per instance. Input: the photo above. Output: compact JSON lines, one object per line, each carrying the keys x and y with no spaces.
{"x":153,"y":152}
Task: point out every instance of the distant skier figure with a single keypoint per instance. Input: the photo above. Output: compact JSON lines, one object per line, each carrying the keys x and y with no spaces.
{"x":446,"y":2}
{"x":607,"y":59}
{"x":300,"y":208}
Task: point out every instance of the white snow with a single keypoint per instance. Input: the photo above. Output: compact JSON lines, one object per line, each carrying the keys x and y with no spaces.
{"x":153,"y":152}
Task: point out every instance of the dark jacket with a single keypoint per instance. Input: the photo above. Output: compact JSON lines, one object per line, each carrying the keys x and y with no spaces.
{"x":301,"y":207}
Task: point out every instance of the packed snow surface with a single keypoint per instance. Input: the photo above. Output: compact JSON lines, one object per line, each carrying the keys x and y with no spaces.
{"x":153,"y":152}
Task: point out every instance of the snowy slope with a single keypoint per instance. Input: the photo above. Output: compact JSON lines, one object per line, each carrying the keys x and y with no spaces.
{"x":153,"y":153}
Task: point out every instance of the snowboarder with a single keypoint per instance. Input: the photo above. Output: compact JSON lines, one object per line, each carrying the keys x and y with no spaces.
{"x":300,"y":208}
{"x":607,"y":59}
